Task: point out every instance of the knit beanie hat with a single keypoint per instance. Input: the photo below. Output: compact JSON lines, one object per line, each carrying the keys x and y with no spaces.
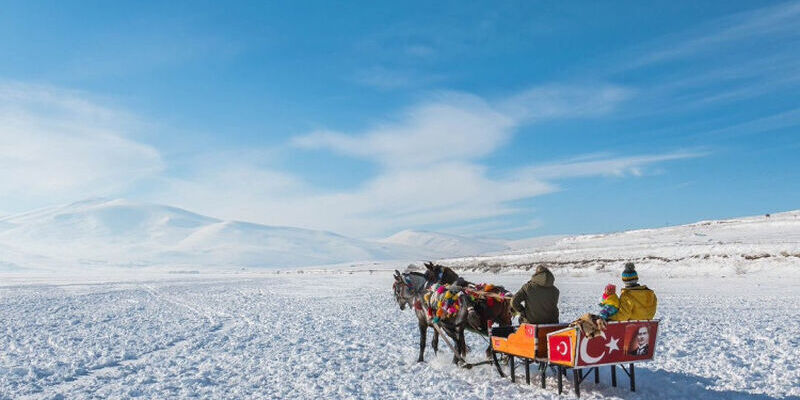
{"x":629,"y":275}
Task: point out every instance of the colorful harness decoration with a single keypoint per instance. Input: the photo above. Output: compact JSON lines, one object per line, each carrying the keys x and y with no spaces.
{"x":489,"y":292}
{"x":443,"y":300}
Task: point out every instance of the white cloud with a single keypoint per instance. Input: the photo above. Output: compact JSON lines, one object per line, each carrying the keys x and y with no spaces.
{"x":605,"y":166}
{"x":750,"y":26}
{"x":562,"y":101}
{"x":430,"y":172}
{"x":454,"y":127}
{"x":439,"y":194}
{"x":459,"y":126}
{"x":783,"y":120}
{"x":56,"y":145}
{"x":395,"y":200}
{"x":734,"y":58}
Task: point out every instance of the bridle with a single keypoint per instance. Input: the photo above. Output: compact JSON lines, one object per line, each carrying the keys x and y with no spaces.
{"x":404,"y":290}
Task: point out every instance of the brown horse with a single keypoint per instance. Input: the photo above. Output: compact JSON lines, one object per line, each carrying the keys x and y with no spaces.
{"x":435,"y":273}
{"x":475,"y":311}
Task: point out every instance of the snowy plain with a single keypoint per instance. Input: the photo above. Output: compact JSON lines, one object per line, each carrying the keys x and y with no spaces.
{"x":339,"y":334}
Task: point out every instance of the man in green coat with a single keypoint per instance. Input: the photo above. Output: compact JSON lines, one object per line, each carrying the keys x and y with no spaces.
{"x":537,"y":300}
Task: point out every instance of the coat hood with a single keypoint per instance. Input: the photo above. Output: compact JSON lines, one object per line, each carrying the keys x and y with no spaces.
{"x":642,"y":296}
{"x":543,"y":277}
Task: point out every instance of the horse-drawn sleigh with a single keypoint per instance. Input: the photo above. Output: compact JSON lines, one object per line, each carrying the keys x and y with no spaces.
{"x":451,"y":305}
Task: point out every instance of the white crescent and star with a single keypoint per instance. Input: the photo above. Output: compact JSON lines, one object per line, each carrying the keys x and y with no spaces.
{"x":612,"y":344}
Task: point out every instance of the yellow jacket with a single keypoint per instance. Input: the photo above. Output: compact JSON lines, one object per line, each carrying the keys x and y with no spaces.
{"x":636,"y":303}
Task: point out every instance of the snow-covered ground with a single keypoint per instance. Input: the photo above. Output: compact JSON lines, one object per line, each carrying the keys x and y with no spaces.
{"x":340,"y":335}
{"x":113,"y":299}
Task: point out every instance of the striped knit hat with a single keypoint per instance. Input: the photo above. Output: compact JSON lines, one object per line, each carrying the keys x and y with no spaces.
{"x":629,"y":275}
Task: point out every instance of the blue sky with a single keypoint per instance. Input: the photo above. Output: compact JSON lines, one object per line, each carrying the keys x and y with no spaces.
{"x":509,"y":120}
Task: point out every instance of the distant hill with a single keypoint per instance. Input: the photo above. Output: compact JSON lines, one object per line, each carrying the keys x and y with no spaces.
{"x":121,"y":233}
{"x":103,"y":232}
{"x":735,"y":246}
{"x":441,"y":244}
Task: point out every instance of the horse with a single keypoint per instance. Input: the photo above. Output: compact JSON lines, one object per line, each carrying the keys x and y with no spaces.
{"x":475,"y":311}
{"x":435,"y":273}
{"x":409,"y":290}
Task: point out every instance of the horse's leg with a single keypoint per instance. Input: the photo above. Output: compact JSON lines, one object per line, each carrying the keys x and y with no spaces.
{"x":462,"y":342}
{"x":458,"y":350}
{"x":423,"y":331}
{"x":435,"y":341}
{"x":453,"y":333}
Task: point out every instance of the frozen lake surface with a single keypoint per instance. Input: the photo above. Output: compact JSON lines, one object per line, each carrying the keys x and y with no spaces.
{"x":339,"y":335}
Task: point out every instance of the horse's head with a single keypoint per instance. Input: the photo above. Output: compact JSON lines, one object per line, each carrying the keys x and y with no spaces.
{"x":432,"y":272}
{"x":400,"y":287}
{"x":438,"y":273}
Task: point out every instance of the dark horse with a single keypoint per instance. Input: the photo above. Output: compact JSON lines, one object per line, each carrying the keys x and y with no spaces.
{"x":472,"y":315}
{"x":435,"y":273}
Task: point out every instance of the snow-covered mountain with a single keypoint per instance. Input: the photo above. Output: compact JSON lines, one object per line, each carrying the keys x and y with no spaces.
{"x":443,"y":243}
{"x":101,"y":232}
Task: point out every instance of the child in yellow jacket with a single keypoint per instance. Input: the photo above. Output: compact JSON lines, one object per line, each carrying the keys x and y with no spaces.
{"x":610,"y":304}
{"x":636,"y":301}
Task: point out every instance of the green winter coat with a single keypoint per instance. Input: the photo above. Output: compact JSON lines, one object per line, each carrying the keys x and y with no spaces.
{"x":540,"y":299}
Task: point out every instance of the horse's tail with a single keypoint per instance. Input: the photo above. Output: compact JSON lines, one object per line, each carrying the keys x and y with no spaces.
{"x":505,"y":316}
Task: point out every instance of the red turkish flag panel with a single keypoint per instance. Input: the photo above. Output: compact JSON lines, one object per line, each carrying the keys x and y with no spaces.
{"x":560,"y":349}
{"x":530,"y":330}
{"x":622,"y":342}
